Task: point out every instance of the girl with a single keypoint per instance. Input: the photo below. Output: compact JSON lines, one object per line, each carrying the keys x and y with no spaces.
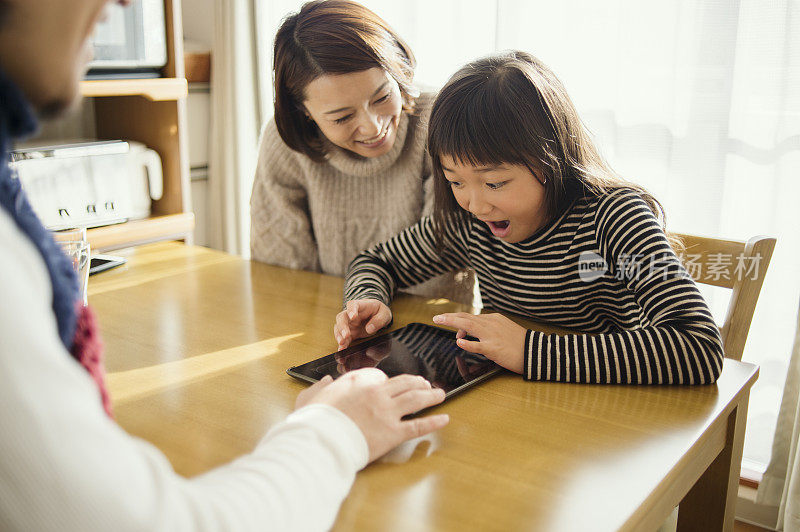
{"x":523,"y":197}
{"x":342,"y":166}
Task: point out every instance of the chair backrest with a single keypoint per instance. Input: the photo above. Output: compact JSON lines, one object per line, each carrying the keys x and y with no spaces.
{"x":740,"y":266}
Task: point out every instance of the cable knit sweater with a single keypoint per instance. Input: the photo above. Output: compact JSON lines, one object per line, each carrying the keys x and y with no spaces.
{"x":319,"y":216}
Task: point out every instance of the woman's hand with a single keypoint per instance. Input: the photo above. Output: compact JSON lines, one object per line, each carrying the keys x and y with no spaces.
{"x":499,"y":339}
{"x":378,"y":404}
{"x":360,"y":318}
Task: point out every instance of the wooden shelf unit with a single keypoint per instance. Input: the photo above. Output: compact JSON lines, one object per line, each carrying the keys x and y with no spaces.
{"x":156,"y":89}
{"x":153,"y":112}
{"x":135,"y":232}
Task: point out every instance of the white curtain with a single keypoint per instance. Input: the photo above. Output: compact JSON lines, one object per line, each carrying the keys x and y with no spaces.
{"x":697,"y":100}
{"x":235,"y":124}
{"x":700,"y":102}
{"x":781,"y":483}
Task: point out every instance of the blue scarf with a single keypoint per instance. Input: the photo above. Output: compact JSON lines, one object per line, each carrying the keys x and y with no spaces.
{"x":17,"y":120}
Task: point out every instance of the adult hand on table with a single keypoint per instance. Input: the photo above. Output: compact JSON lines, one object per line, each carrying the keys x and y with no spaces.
{"x":377,"y":405}
{"x":498,"y":338}
{"x":360,"y":318}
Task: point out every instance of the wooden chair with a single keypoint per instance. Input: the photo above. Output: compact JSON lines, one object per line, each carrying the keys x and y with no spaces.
{"x":739,"y":266}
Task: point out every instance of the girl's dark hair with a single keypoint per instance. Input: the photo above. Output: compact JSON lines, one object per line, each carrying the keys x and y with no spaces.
{"x":331,"y":37}
{"x":510,"y":108}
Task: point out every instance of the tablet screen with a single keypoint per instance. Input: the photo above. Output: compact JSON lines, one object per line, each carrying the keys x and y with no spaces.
{"x":416,"y":349}
{"x":101,"y":263}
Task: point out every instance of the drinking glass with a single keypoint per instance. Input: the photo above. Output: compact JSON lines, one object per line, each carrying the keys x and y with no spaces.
{"x":74,"y":244}
{"x":75,"y":234}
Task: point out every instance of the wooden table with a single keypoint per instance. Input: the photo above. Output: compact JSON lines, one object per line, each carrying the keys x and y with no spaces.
{"x":197,"y":347}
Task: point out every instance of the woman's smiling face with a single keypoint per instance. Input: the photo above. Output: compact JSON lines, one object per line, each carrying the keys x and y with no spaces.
{"x":358,"y":111}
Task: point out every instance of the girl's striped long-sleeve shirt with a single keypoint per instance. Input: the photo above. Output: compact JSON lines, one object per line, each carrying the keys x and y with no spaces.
{"x":604,"y":269}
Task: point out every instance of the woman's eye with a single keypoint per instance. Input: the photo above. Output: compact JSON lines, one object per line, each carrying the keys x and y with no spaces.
{"x":495,"y":186}
{"x":454,"y":184}
{"x":343,"y":119}
{"x":382,"y":99}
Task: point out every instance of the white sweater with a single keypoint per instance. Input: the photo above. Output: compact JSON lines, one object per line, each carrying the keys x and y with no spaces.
{"x":64,"y":465}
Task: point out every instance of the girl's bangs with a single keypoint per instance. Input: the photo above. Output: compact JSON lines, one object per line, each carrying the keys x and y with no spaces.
{"x":480,"y":129}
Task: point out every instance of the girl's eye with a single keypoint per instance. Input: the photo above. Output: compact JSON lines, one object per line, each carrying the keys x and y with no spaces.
{"x":382,"y":99}
{"x":454,"y":184}
{"x":495,"y":186}
{"x":343,"y":119}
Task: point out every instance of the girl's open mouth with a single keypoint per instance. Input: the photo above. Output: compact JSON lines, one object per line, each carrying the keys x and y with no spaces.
{"x":499,"y":228}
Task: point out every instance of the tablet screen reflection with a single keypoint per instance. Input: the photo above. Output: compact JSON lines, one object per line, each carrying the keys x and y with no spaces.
{"x":418,"y":350}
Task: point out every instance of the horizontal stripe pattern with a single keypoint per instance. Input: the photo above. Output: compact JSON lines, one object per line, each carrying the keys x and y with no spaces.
{"x":604,"y":268}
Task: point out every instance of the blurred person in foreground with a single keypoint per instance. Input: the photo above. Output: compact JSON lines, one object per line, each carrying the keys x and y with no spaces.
{"x":65,"y":464}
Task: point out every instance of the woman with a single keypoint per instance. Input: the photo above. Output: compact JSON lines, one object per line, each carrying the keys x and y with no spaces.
{"x":342,"y":166}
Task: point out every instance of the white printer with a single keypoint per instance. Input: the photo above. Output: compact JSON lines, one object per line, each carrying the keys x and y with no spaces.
{"x":89,"y":184}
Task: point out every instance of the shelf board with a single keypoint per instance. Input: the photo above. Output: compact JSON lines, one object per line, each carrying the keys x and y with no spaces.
{"x":156,"y":89}
{"x":169,"y":227}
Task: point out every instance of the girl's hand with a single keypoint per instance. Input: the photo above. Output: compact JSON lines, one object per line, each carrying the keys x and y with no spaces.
{"x":499,"y":339}
{"x":360,"y":318}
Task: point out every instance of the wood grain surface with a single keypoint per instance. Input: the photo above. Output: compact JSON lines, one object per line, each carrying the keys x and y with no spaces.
{"x":197,"y":347}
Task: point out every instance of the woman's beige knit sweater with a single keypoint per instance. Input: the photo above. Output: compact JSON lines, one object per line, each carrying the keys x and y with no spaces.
{"x":319,"y":216}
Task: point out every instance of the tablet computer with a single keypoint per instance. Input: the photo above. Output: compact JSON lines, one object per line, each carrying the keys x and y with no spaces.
{"x":101,"y":263}
{"x":416,"y":349}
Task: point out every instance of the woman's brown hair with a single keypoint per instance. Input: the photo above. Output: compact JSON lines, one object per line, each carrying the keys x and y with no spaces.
{"x":331,"y":37}
{"x":510,"y":108}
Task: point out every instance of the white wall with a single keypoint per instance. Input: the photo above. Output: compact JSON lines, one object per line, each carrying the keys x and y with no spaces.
{"x":198,"y":21}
